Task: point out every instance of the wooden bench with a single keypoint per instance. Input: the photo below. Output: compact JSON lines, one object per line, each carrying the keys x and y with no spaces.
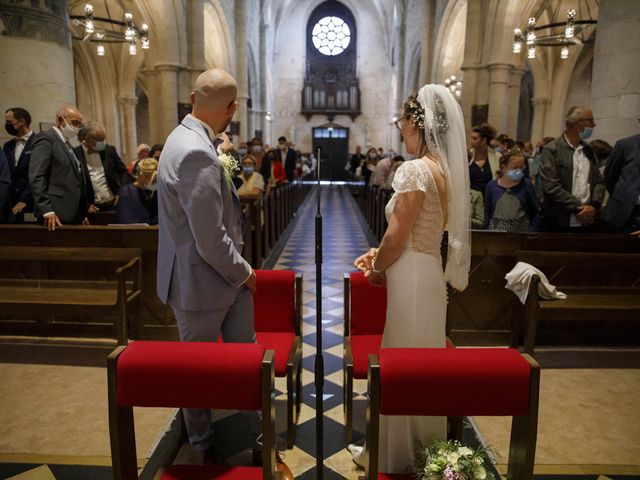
{"x":117,"y":295}
{"x":599,"y":286}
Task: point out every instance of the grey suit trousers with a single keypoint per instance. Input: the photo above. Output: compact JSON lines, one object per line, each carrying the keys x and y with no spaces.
{"x":236,"y":325}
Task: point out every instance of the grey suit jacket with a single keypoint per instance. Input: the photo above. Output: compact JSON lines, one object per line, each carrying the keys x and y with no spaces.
{"x":200,"y":266}
{"x":57,"y":179}
{"x":622,"y":176}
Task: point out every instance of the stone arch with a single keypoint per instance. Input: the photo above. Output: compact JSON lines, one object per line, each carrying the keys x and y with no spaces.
{"x":412,"y":80}
{"x":253,"y":90}
{"x":449,"y":46}
{"x":217,"y":39}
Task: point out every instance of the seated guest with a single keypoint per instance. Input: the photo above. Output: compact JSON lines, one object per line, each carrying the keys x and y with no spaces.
{"x":476,"y":210}
{"x":18,"y":153}
{"x":5,"y":185}
{"x":510,"y":201}
{"x":138,"y":200}
{"x":572,"y":184}
{"x":143,"y":152}
{"x":252,"y":182}
{"x":483,"y":162}
{"x":107,"y":172}
{"x":156,"y":150}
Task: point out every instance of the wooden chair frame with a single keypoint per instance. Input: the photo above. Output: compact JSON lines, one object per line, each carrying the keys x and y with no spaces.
{"x":294,"y":369}
{"x":122,"y":432}
{"x":524,"y":428}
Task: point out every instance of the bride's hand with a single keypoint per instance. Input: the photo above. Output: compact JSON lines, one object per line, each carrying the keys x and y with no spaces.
{"x":376,"y":279}
{"x":364,"y":262}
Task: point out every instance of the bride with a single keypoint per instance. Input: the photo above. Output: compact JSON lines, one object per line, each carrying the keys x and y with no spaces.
{"x":431,"y":195}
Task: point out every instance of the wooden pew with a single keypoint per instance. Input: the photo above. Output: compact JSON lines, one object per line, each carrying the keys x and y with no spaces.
{"x":117,"y":296}
{"x":600,"y":287}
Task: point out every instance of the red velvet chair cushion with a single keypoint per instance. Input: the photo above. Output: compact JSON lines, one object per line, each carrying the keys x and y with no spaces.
{"x":368,"y":306}
{"x":396,"y":476}
{"x":217,"y":472}
{"x":361,"y":347}
{"x":190,"y":374}
{"x":274,"y":301}
{"x":453,"y":381}
{"x":281,"y":343}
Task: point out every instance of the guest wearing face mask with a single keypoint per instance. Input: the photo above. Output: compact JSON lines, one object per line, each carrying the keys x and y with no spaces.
{"x":107,"y":172}
{"x":18,"y":153}
{"x":572,"y":184}
{"x":243,"y":149}
{"x":510,"y":201}
{"x":263,"y":165}
{"x":252,"y":182}
{"x":56,"y":175}
{"x":138,"y":200}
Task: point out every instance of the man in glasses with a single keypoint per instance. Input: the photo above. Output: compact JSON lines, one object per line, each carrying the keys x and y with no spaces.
{"x":572,"y":184}
{"x":56,"y":175}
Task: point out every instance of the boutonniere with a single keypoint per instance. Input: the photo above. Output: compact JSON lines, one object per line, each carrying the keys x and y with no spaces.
{"x":229,"y":166}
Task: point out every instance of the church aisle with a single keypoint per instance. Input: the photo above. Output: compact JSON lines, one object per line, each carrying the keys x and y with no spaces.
{"x":343,"y":240}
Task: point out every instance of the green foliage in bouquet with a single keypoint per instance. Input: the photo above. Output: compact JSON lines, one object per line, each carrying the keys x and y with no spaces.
{"x":451,"y":461}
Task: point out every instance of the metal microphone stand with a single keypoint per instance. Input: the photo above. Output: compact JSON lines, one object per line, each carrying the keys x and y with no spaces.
{"x":319,"y":363}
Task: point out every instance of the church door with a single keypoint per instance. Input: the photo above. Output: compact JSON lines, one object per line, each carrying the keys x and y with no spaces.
{"x":334,"y":142}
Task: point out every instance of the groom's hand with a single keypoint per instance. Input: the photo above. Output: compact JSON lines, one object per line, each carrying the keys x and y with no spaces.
{"x":251,"y":281}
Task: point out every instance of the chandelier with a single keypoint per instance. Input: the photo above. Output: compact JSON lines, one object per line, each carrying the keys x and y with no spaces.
{"x":454,"y":84}
{"x":102,"y":30}
{"x":558,"y":33}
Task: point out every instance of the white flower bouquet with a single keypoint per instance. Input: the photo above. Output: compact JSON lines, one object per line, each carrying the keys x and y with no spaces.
{"x":451,"y":461}
{"x":230,"y":167}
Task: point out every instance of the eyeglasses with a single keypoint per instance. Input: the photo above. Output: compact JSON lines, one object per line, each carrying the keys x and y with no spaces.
{"x":397,"y":122}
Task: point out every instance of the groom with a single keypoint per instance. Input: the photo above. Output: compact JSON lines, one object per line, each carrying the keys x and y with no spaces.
{"x":201,"y":272}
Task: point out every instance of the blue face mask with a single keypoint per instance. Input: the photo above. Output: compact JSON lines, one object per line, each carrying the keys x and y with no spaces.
{"x":515,"y":175}
{"x":100,"y":146}
{"x":498,"y":149}
{"x":586,"y":133}
{"x":247,"y":170}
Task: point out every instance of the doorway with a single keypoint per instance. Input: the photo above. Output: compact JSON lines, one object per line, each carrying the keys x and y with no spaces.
{"x":333,"y":139}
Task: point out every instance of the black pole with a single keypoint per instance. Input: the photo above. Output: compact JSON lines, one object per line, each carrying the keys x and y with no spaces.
{"x":319,"y":366}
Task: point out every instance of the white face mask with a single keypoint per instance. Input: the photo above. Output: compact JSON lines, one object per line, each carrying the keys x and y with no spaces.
{"x":69,"y":131}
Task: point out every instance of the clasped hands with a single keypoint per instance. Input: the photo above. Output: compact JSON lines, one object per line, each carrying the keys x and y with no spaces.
{"x":586,"y":214}
{"x":365,"y":262}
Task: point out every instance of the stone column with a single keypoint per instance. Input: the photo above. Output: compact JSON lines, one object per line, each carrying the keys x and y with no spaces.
{"x":195,"y":34}
{"x":472,"y":61}
{"x":615,"y":87}
{"x":426,"y":55}
{"x":32,"y":37}
{"x":499,"y":75}
{"x":262,"y":74}
{"x":540,"y":106}
{"x":241,"y":67}
{"x":395,"y":141}
{"x":514,"y":101}
{"x":164,"y":116}
{"x":128,"y":131}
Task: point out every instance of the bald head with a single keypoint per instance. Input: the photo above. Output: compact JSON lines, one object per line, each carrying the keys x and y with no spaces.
{"x":214,"y":88}
{"x":214,"y":99}
{"x":69,"y":114}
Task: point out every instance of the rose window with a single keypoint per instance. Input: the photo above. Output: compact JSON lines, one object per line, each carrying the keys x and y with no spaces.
{"x":331,"y":36}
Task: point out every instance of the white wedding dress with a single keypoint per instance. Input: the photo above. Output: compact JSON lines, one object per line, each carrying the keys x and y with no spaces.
{"x":416,"y":310}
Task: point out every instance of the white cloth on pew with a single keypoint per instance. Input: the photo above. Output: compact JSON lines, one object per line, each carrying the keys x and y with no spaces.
{"x":519,"y":279}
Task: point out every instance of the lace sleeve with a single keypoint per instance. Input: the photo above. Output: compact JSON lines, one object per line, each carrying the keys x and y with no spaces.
{"x":409,"y":178}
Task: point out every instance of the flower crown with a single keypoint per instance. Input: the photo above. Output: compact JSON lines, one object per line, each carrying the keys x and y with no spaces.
{"x":435,"y":120}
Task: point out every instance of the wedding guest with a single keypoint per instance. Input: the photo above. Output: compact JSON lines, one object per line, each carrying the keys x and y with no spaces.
{"x":397,"y":161}
{"x":156,"y":150}
{"x":510,"y":201}
{"x":356,"y":159}
{"x":252,"y":182}
{"x":138,"y":200}
{"x":142,"y":152}
{"x":476,"y":210}
{"x":572,"y":184}
{"x":18,"y":153}
{"x":383,"y":170}
{"x":369,"y":165}
{"x":622,"y":176}
{"x":277,"y":174}
{"x":5,"y":185}
{"x":287,"y":157}
{"x":484,"y":160}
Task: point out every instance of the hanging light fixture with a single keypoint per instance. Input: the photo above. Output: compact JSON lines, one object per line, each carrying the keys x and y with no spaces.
{"x":558,"y":32}
{"x":454,"y":84}
{"x":103,"y":30}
